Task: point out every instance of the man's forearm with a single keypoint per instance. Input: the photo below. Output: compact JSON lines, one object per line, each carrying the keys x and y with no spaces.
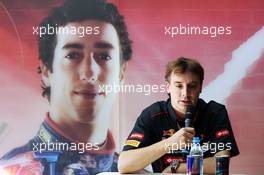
{"x":137,"y":159}
{"x":208,"y":166}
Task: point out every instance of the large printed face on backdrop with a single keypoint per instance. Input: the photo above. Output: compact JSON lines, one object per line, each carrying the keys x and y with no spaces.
{"x":184,"y":89}
{"x":83,"y":63}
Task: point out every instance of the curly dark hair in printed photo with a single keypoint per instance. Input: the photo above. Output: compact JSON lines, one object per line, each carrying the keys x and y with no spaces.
{"x":77,"y":11}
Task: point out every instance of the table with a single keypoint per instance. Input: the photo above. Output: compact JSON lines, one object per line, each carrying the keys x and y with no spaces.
{"x":115,"y":173}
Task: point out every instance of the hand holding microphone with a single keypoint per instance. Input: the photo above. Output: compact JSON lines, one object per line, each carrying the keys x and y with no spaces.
{"x":184,"y":136}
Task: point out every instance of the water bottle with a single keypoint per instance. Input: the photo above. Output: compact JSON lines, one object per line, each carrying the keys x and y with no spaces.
{"x":195,"y":158}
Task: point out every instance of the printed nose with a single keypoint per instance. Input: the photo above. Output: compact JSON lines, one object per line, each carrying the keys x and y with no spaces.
{"x":89,"y":70}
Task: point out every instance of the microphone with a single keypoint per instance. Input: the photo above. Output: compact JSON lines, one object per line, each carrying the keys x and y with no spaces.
{"x":188,"y":116}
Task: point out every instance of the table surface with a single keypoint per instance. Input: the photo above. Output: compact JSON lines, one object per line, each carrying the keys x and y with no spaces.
{"x":116,"y":173}
{"x":112,"y":173}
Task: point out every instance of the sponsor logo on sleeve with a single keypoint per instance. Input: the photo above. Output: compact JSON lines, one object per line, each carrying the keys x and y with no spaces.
{"x":44,"y":135}
{"x":137,"y":136}
{"x":133,"y":143}
{"x":222,"y":133}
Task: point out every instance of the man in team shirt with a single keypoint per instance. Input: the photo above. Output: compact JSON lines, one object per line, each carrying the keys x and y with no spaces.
{"x":160,"y":137}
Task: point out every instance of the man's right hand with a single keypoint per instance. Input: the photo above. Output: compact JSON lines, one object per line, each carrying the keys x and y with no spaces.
{"x":180,"y":139}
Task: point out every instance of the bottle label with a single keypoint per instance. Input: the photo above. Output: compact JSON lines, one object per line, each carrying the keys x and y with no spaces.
{"x":194,"y":165}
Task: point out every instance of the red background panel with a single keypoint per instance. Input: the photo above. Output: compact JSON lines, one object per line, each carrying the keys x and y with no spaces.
{"x":23,"y":108}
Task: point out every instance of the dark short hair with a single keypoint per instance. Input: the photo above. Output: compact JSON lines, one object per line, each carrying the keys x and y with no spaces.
{"x":76,"y":11}
{"x":182,"y":65}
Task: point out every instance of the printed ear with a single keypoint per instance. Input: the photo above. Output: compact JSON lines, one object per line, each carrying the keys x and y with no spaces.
{"x":167,"y":85}
{"x":45,"y":74}
{"x":122,"y":72}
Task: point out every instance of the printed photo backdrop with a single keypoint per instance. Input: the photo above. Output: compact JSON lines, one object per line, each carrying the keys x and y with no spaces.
{"x":233,"y":60}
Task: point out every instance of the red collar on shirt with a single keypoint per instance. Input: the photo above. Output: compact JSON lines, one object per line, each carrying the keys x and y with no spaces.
{"x":108,"y":146}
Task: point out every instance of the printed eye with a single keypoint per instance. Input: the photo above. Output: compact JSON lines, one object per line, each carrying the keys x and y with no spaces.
{"x":73,"y":56}
{"x":178,"y":86}
{"x":103,"y":56}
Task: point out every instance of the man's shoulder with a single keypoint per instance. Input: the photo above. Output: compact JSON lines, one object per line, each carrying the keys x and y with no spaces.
{"x":211,"y":105}
{"x":15,"y":151}
{"x":156,"y":109}
{"x":211,"y":109}
{"x":21,"y":160}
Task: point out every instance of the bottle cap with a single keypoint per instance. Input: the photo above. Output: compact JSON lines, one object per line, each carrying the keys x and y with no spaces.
{"x":196,"y":140}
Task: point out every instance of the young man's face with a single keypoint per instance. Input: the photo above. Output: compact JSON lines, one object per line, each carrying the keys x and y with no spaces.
{"x":184,"y":89}
{"x":80,"y":66}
